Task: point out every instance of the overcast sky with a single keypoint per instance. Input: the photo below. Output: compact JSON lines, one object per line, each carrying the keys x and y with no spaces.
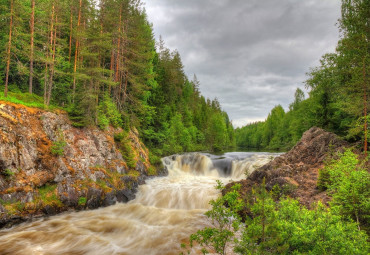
{"x":250,"y":54}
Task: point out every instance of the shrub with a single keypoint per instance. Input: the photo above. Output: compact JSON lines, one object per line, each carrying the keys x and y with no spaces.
{"x":349,"y":184}
{"x":125,"y":148}
{"x":225,"y":222}
{"x":282,"y":227}
{"x":108,"y":113}
{"x":8,"y":173}
{"x":82,"y":201}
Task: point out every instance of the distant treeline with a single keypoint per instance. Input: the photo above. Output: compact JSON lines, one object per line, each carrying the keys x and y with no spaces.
{"x":101,"y":64}
{"x":338,"y":92}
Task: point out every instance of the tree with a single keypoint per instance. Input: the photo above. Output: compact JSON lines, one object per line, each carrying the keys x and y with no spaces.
{"x":9,"y":48}
{"x":354,"y":59}
{"x":32,"y":30}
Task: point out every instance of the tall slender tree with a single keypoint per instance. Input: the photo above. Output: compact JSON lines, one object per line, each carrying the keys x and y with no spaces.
{"x":32,"y":32}
{"x":9,"y":48}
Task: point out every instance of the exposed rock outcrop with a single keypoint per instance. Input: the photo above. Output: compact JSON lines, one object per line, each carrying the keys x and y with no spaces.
{"x":48,"y":166}
{"x":297,"y":170}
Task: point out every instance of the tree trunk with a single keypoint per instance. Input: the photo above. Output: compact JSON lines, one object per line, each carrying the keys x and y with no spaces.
{"x":365,"y":104}
{"x":52,"y":66}
{"x":70,"y":35}
{"x":111,"y":69}
{"x":8,"y":52}
{"x":32,"y":46}
{"x":76,"y":53}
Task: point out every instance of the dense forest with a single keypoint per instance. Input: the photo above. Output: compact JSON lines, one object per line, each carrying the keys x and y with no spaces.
{"x":338,"y":92}
{"x":99,"y":62}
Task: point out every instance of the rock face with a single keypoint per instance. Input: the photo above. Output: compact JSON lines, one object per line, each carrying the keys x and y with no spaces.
{"x":297,"y":170}
{"x":48,"y":166}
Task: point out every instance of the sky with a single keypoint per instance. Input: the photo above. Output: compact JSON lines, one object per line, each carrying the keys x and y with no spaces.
{"x":249,"y":54}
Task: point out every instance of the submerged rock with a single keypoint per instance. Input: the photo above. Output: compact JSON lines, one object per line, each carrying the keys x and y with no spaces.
{"x":48,"y":166}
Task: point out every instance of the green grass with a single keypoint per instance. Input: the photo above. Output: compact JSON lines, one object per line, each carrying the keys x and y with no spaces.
{"x":48,"y":195}
{"x":27,"y":99}
{"x":82,"y":201}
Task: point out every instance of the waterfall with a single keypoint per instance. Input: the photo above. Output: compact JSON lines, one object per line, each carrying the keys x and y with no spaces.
{"x":164,"y":213}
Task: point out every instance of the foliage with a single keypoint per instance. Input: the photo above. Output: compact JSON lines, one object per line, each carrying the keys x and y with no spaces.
{"x":126,"y":149}
{"x":278,"y":227}
{"x":98,"y":60}
{"x":30,"y":100}
{"x":349,"y":183}
{"x":82,"y":201}
{"x":48,"y":195}
{"x":108,"y":113}
{"x":225,"y":221}
{"x":8,"y":173}
{"x":57,"y":149}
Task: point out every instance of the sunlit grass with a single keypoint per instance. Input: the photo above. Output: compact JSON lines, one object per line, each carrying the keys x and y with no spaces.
{"x":27,"y":99}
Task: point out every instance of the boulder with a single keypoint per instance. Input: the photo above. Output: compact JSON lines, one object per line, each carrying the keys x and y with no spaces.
{"x":299,"y":167}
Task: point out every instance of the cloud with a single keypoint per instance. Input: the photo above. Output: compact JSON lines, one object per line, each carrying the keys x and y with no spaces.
{"x":251,"y":55}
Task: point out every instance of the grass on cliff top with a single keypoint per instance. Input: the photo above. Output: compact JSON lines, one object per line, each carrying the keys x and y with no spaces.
{"x":27,"y":99}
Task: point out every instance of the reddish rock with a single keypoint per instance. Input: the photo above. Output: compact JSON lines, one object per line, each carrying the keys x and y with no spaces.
{"x":297,"y":170}
{"x":88,"y":173}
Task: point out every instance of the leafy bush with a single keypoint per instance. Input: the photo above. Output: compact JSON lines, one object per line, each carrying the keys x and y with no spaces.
{"x":82,"y":201}
{"x":349,"y":184}
{"x":225,"y":221}
{"x":108,"y":113}
{"x":282,"y":227}
{"x":125,"y":148}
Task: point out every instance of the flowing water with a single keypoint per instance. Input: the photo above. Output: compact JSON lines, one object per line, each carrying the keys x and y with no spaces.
{"x":163,"y":215}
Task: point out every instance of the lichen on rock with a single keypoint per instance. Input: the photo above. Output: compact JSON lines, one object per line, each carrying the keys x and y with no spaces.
{"x":40,"y":149}
{"x":297,"y":170}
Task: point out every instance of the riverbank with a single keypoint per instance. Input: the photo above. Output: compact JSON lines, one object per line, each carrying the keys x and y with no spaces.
{"x":296,"y":172}
{"x":47,"y":166}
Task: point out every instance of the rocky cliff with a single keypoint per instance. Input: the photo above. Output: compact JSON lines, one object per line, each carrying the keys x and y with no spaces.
{"x":296,"y":172}
{"x":48,"y":166}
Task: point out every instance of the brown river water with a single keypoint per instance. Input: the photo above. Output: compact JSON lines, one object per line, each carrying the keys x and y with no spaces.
{"x":163,"y":215}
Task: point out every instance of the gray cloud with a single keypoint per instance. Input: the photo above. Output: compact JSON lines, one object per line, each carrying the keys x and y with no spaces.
{"x":250,"y":54}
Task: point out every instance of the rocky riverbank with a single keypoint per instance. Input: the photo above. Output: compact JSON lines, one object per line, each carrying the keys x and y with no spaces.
{"x":47,"y":166}
{"x":296,"y":172}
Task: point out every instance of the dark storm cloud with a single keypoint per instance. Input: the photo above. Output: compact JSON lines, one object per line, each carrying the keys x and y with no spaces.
{"x":250,"y":54}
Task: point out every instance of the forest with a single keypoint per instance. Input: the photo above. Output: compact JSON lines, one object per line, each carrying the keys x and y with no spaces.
{"x":338,"y":92}
{"x":99,"y":62}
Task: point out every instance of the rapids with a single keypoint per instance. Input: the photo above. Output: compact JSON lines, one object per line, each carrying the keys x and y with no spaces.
{"x":164,"y":213}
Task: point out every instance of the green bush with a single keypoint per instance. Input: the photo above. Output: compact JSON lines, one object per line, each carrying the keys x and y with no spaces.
{"x":108,"y":113}
{"x":225,"y":222}
{"x":82,"y":201}
{"x":349,"y":184}
{"x":282,"y":227}
{"x":124,"y":145}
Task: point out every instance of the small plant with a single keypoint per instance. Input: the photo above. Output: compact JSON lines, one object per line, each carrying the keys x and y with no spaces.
{"x":152,"y":171}
{"x":82,"y":201}
{"x":57,"y":149}
{"x":225,"y":222}
{"x":48,"y":195}
{"x":125,"y":148}
{"x":8,"y":173}
{"x":323,"y":181}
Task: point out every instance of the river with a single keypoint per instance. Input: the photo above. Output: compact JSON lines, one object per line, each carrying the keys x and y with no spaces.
{"x":164,"y":213}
